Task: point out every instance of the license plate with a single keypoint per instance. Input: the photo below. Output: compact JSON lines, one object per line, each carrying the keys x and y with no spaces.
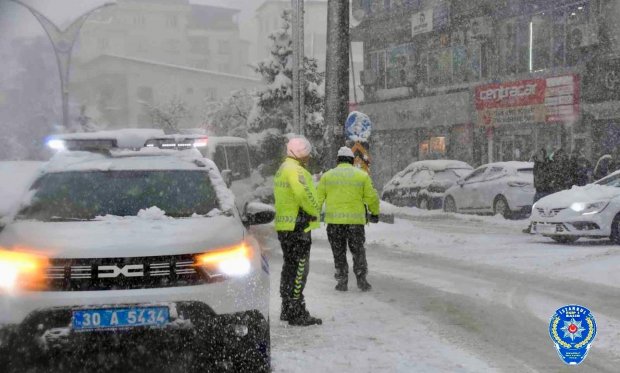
{"x":545,"y":228}
{"x":116,"y":318}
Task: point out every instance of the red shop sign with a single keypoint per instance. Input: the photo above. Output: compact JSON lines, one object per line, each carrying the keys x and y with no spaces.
{"x":511,"y":94}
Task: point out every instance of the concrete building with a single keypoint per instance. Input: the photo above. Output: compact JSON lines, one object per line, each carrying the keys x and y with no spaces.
{"x":123,"y":89}
{"x":167,"y":31}
{"x":488,"y":80}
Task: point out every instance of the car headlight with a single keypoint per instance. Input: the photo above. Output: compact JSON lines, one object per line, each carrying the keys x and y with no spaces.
{"x":234,"y":261}
{"x":589,"y":208}
{"x":21,"y":271}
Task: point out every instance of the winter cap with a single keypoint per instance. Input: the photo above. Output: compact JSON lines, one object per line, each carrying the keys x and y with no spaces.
{"x":298,"y":147}
{"x":345,"y":152}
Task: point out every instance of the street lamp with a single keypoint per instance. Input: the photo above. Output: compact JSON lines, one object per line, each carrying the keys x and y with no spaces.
{"x":299,"y":83}
{"x":63,"y":41}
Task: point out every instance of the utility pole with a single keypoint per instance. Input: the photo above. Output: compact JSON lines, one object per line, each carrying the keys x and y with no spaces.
{"x":336,"y":76}
{"x":62,"y":43}
{"x":299,"y":82}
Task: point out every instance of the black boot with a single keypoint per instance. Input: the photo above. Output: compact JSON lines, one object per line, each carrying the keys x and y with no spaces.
{"x":299,"y":316}
{"x":362,"y":284}
{"x":285,"y":314}
{"x":342,"y":284}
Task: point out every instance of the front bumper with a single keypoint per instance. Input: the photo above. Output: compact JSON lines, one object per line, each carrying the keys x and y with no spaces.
{"x":196,"y":337}
{"x":567,"y":223}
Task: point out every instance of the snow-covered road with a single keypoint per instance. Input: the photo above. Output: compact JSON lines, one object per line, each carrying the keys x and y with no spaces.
{"x":451,"y":293}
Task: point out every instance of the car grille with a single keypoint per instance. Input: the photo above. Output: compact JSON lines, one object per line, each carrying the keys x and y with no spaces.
{"x":545,"y":213}
{"x":125,"y":273}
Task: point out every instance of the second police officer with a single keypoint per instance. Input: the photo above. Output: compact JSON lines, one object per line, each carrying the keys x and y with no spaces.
{"x":347,"y":193}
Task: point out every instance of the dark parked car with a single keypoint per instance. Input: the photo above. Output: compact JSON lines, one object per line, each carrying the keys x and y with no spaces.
{"x":423,"y":184}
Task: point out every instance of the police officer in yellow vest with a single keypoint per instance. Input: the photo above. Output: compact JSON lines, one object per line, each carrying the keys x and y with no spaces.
{"x":297,"y":213}
{"x":348,"y":192}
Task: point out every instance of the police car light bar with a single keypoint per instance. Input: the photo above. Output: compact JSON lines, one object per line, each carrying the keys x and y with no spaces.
{"x":179,"y":143}
{"x":81,"y":144}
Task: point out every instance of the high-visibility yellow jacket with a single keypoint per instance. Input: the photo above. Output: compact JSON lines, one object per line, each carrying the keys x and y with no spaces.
{"x":293,"y":190}
{"x":346,"y":191}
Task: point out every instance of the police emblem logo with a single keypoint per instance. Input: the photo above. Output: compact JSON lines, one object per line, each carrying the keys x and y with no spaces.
{"x":572,"y":329}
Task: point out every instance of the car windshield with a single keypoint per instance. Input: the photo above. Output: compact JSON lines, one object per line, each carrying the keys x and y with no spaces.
{"x":613,"y":181}
{"x":86,"y":195}
{"x":451,"y":174}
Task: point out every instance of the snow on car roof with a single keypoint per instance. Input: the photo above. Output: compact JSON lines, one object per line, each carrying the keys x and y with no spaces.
{"x":132,"y":138}
{"x":437,"y":165}
{"x":513,"y":165}
{"x":145,"y":159}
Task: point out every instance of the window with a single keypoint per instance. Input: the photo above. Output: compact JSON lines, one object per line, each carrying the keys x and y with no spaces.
{"x":494,"y":172}
{"x":103,"y":44}
{"x":223,"y":47}
{"x":238,"y":161}
{"x":145,"y":94}
{"x":377,"y":65}
{"x":139,"y":20}
{"x":172,"y":21}
{"x":476,"y":175}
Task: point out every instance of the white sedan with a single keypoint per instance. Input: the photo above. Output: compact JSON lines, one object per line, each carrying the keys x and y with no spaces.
{"x":591,"y":211}
{"x":505,"y":188}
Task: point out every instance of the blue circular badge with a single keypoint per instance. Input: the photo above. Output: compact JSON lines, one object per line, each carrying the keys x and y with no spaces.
{"x":358,"y":126}
{"x":572,"y":329}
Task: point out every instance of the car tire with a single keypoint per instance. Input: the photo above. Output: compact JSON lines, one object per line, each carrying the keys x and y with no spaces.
{"x":449,"y":204}
{"x":500,"y":206}
{"x":564,"y":239}
{"x":424,"y":203}
{"x":615,"y":230}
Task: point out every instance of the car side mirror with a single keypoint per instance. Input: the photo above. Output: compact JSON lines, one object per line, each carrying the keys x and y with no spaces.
{"x":460,"y":182}
{"x":257,"y":213}
{"x":227,"y":175}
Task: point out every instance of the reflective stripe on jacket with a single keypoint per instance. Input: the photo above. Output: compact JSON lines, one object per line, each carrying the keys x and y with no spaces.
{"x":293,"y":190}
{"x":347,"y":191}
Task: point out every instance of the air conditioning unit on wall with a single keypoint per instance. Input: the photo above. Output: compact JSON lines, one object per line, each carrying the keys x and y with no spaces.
{"x":582,"y":35}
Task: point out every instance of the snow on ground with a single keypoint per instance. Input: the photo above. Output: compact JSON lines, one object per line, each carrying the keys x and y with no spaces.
{"x":452,"y":293}
{"x":15,"y":179}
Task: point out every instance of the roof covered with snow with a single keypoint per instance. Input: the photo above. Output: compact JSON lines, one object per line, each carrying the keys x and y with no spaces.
{"x":133,"y":138}
{"x":437,"y":165}
{"x":512,"y":165}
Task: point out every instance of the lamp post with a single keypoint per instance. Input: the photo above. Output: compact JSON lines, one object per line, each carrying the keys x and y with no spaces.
{"x":299,"y":83}
{"x":62,"y":41}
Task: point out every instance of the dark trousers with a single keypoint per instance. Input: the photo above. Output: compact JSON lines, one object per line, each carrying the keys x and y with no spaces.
{"x":296,"y":251}
{"x":354,"y":236}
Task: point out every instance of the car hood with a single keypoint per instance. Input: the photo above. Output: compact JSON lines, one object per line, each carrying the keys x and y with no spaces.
{"x":585,"y":194}
{"x":123,"y":236}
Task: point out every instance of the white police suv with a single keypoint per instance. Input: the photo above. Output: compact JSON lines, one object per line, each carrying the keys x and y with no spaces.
{"x":128,"y":258}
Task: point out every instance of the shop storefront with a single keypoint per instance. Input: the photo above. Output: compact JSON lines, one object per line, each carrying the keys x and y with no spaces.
{"x":522,"y":116}
{"x":406,"y":131}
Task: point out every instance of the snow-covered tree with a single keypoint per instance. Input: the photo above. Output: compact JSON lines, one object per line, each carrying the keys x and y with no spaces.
{"x":169,"y":115}
{"x":273,"y":107}
{"x":230,"y":116}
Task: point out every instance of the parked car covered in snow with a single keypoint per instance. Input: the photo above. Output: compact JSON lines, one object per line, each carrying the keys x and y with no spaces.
{"x":505,"y":188}
{"x":591,"y":211}
{"x":422,"y":184}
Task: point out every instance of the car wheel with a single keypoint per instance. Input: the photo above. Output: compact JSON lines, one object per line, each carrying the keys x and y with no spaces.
{"x":501,"y":207}
{"x":424,"y":204}
{"x":615,"y":230}
{"x":449,"y":204}
{"x":564,"y":239}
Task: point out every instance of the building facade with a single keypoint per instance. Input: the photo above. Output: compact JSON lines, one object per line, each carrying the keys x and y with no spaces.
{"x":167,"y":31}
{"x":488,"y":80}
{"x":123,"y":90}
